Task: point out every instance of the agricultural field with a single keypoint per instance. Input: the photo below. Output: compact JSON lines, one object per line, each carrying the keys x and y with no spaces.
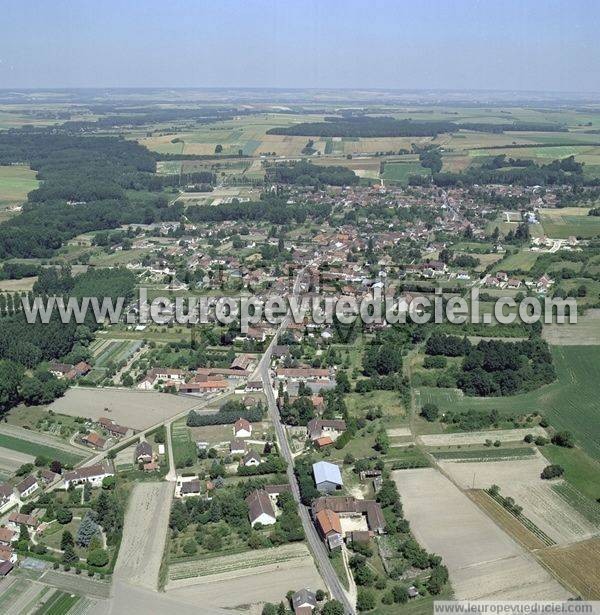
{"x":129,"y":407}
{"x":184,"y":448}
{"x":577,"y":564}
{"x":571,"y":402}
{"x":247,"y":578}
{"x":483,"y":561}
{"x":15,"y":183}
{"x":520,"y":479}
{"x":33,"y":444}
{"x":508,"y":522}
{"x":523,"y":260}
{"x":569,"y":221}
{"x":144,"y":534}
{"x":399,"y":172}
{"x":479,"y":437}
{"x":586,"y":332}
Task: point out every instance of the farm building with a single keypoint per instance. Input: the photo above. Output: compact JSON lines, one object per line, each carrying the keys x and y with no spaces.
{"x":319,"y":428}
{"x":327,"y":476}
{"x":94,"y":440}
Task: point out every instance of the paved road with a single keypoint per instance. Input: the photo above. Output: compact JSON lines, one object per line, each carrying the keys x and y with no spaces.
{"x":316,"y":545}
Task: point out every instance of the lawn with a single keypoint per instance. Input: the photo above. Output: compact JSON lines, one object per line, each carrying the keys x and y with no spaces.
{"x":571,"y":402}
{"x":41,"y":450}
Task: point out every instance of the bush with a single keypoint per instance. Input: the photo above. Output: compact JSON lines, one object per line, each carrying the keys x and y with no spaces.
{"x":97,"y":558}
{"x":430,"y":412}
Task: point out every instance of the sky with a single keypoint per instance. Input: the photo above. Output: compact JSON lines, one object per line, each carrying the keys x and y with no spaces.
{"x":545,"y":45}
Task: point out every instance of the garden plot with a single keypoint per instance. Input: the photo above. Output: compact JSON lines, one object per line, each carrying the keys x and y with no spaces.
{"x":483,"y":561}
{"x":244,"y":578}
{"x":132,"y":408}
{"x":479,"y":437}
{"x":520,"y":479}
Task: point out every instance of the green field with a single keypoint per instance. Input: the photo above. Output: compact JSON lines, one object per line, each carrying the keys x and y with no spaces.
{"x":580,"y":471}
{"x":42,"y":450}
{"x":571,"y":402}
{"x":400,"y":171}
{"x":523,"y":259}
{"x":561,"y":225}
{"x":15,"y":183}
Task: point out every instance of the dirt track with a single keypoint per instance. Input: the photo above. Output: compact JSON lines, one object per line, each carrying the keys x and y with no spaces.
{"x":144,"y":533}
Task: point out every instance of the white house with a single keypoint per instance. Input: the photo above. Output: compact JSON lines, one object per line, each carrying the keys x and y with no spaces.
{"x":27,"y":486}
{"x":260,"y":508}
{"x":242,"y":428}
{"x":91,"y":474}
{"x":8,"y":498}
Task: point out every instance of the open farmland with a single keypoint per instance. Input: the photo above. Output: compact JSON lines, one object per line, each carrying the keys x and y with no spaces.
{"x":133,"y":408}
{"x":578,"y":565}
{"x":483,"y":561}
{"x":15,"y":182}
{"x":479,"y":437}
{"x":520,"y":479}
{"x":144,"y":534}
{"x":585,"y":333}
{"x":246,"y":578}
{"x":10,"y":460}
{"x":571,"y":402}
{"x":31,"y":443}
{"x":568,"y":221}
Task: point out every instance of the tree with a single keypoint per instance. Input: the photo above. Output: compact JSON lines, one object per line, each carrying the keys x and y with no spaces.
{"x":87,"y":491}
{"x":66,"y":540}
{"x":218,"y":148}
{"x":97,"y":558}
{"x":333,"y":607}
{"x":269,"y":609}
{"x":365,"y":600}
{"x":87,"y":529}
{"x":108,"y":482}
{"x":563,"y":438}
{"x":56,"y":466}
{"x":552,"y":471}
{"x":69,"y":556}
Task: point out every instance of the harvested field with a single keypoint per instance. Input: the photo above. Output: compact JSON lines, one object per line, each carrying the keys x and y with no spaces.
{"x":78,"y":584}
{"x":578,"y":565}
{"x":246,"y":578}
{"x":18,"y":285}
{"x":586,"y":332}
{"x":133,"y":408}
{"x":483,"y":561}
{"x":10,"y":460}
{"x":520,"y":479}
{"x":509,"y":523}
{"x":144,"y":534}
{"x":479,"y":437}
